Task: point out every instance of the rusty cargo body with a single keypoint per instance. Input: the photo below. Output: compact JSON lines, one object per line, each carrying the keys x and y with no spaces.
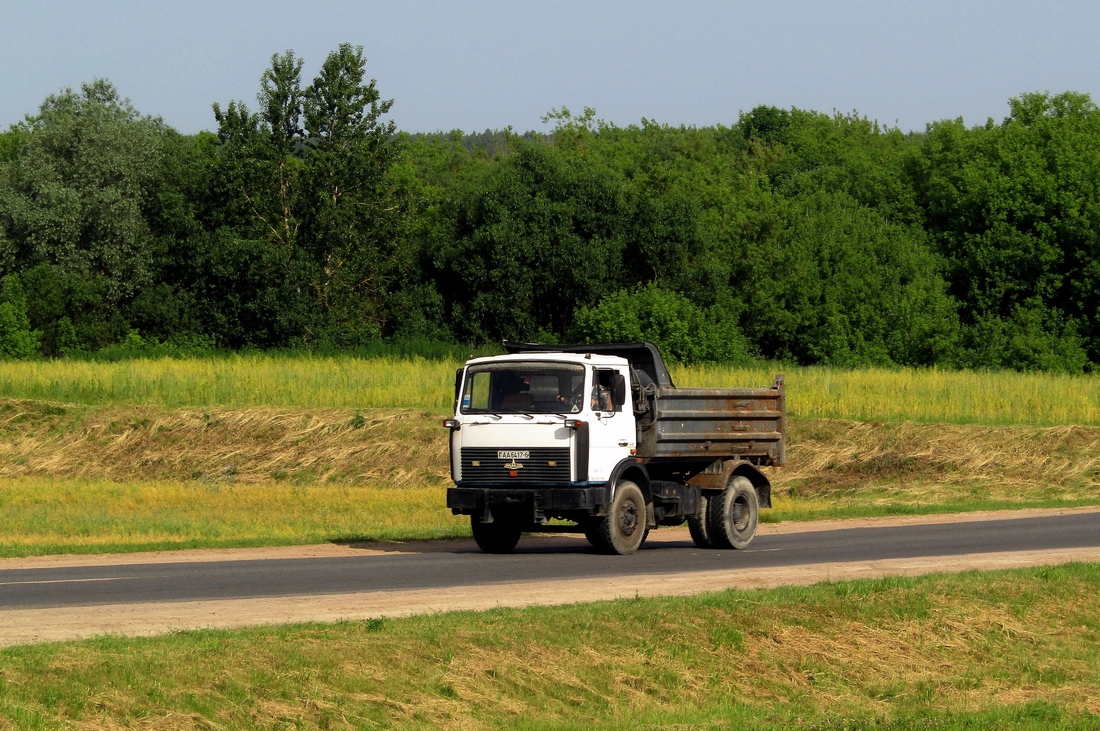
{"x":701,"y":424}
{"x":706,"y":436}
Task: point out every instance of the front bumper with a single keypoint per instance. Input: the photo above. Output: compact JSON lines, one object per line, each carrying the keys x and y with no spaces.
{"x":475,"y":500}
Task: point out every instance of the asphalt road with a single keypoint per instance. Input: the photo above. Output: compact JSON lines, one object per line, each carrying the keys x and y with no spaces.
{"x":461,"y":564}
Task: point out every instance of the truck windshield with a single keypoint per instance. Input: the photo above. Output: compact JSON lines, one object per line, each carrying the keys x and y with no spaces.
{"x":531,"y":387}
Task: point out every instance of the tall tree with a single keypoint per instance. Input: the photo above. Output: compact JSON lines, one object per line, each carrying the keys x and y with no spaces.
{"x":533,"y":240}
{"x":74,"y":203}
{"x":308,"y":175}
{"x":347,"y":220}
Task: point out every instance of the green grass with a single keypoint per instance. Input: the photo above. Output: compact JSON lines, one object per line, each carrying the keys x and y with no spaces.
{"x":41,"y":516}
{"x":979,"y":650}
{"x":49,"y":516}
{"x":1017,"y":649}
{"x":239,"y":381}
{"x":875,"y":505}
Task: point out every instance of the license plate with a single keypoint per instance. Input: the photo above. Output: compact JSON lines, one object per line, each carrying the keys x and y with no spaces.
{"x":513,"y":454}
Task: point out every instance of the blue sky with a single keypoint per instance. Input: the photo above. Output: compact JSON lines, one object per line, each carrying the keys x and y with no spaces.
{"x":487,"y":65}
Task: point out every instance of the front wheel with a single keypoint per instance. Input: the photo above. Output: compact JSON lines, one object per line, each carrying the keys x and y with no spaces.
{"x":732,"y":514}
{"x":624,"y":528}
{"x":592,"y":532}
{"x":500,"y":536}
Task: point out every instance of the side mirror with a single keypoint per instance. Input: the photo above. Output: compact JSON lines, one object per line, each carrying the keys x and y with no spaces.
{"x":618,"y":391}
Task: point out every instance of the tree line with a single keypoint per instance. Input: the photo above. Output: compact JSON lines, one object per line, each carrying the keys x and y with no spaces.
{"x":310,"y":222}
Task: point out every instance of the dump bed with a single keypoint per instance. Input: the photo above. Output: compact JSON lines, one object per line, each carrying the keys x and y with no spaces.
{"x":705,"y":424}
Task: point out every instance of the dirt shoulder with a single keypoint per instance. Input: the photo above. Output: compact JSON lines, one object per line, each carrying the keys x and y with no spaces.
{"x":55,"y":624}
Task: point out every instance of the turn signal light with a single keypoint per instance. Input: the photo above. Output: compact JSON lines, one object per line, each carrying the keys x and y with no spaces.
{"x":573,"y":423}
{"x":452,"y":424}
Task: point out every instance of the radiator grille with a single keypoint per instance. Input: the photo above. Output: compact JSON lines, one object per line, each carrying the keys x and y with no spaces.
{"x":544,"y":466}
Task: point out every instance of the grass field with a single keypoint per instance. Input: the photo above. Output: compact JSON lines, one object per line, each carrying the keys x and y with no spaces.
{"x":927,"y":396}
{"x":1017,"y":649}
{"x":117,"y":478}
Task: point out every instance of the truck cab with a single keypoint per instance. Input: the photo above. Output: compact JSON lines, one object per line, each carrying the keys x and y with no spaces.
{"x":568,"y":438}
{"x":563,"y":414}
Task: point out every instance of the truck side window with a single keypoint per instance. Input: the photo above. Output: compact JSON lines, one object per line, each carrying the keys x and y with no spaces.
{"x":603,"y":383}
{"x":477,"y":391}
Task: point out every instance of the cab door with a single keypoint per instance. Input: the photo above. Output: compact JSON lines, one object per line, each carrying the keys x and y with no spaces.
{"x":610,"y":422}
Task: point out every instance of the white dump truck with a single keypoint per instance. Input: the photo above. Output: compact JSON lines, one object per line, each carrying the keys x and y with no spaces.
{"x":597,"y":439}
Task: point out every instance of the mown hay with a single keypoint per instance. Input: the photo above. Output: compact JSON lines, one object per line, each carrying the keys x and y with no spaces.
{"x":392,"y":447}
{"x":832,"y":456}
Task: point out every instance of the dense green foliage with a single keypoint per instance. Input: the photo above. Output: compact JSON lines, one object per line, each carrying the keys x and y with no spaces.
{"x":311,"y":222}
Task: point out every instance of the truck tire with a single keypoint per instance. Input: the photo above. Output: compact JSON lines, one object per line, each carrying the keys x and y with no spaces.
{"x":697,"y":525}
{"x":500,"y":536}
{"x":732,"y":514}
{"x":623,"y":529}
{"x":592,"y":532}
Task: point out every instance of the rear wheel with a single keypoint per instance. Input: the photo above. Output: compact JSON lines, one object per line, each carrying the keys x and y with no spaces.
{"x":624,"y":528}
{"x":732,"y":514}
{"x":500,"y":536}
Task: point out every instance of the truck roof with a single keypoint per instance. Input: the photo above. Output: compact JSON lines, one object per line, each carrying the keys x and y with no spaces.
{"x":643,"y":357}
{"x":554,"y":356}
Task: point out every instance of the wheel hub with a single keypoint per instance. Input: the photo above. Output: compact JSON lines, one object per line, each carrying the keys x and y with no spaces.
{"x":628,"y":519}
{"x":740,"y":515}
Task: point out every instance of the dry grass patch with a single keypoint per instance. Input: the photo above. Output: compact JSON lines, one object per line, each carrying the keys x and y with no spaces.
{"x":402,"y":448}
{"x":933,"y":463}
{"x":380,"y":447}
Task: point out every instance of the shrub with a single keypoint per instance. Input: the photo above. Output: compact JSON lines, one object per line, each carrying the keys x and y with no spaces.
{"x":683,"y":331}
{"x":17,"y":340}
